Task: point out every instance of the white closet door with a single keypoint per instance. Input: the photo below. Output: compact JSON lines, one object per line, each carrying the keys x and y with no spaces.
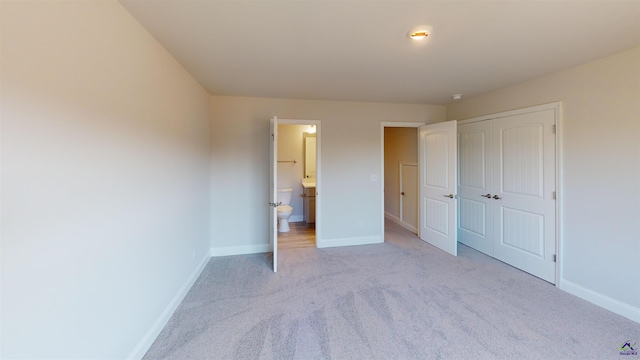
{"x":438,"y":203}
{"x":475,"y":186}
{"x":524,"y":204}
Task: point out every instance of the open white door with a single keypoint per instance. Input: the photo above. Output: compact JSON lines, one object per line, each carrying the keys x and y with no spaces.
{"x":273,"y":191}
{"x":438,"y":199}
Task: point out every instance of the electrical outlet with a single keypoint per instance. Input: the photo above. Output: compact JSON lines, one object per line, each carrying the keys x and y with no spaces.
{"x":360,"y":223}
{"x":193,"y":255}
{"x":373,"y":177}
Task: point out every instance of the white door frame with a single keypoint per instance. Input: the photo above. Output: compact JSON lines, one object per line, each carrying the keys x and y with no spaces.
{"x":273,"y":191}
{"x":383,"y":125}
{"x":557,"y":107}
{"x":318,"y":168}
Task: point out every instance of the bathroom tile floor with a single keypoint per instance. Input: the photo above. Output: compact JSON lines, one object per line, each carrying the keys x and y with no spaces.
{"x":299,"y":236}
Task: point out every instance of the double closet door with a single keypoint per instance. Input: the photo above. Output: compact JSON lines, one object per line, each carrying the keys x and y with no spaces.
{"x":506,"y":188}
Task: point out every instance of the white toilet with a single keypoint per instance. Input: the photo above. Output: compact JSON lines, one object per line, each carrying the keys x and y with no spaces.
{"x":284,"y":210}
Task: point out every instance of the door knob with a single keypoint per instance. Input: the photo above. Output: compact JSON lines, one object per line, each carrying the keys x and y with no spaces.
{"x":497,"y":197}
{"x":488,"y":196}
{"x":402,"y":193}
{"x":450,"y":196}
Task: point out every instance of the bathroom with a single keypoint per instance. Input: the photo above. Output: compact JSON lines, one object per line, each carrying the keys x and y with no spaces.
{"x":297,"y":161}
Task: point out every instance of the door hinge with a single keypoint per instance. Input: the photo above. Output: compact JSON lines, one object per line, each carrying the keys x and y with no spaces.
{"x":553,"y":128}
{"x":553,"y":257}
{"x":554,"y":195}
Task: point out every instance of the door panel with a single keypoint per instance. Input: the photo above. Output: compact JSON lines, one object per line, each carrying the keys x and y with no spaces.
{"x":273,"y":191}
{"x":473,"y":218}
{"x":437,"y":218}
{"x":437,"y":157}
{"x":475,"y":183}
{"x":520,"y":157}
{"x":524,"y":177}
{"x":523,"y":230}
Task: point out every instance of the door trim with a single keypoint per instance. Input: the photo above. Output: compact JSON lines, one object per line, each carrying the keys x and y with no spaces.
{"x":273,"y":191}
{"x":557,"y":108}
{"x":383,"y":125}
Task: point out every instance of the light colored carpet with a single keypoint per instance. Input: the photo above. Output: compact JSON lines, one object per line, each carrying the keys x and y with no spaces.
{"x":403,"y":299}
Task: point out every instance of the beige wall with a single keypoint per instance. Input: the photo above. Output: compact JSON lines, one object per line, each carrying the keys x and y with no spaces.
{"x":350,"y":154}
{"x":601,"y":172}
{"x":400,"y":146}
{"x":105,"y":181}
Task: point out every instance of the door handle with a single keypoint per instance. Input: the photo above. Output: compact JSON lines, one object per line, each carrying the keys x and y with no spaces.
{"x":488,"y":196}
{"x":497,"y":197}
{"x":450,"y":196}
{"x":402,"y":193}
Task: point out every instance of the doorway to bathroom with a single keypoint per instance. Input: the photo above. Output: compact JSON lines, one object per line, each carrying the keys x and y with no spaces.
{"x":297,"y":179}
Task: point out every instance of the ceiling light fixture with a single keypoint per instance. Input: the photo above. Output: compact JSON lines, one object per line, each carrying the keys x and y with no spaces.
{"x":419,"y":33}
{"x":456,"y":96}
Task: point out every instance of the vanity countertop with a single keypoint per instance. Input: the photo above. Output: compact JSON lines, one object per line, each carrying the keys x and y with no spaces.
{"x":308,"y":183}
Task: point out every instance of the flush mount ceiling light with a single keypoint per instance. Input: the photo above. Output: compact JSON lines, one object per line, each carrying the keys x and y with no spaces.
{"x":419,"y":33}
{"x":456,"y":96}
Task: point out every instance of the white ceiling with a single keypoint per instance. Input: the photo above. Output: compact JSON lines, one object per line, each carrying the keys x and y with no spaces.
{"x":359,"y":51}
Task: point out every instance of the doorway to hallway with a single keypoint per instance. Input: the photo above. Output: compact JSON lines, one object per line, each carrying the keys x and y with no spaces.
{"x":400,"y":164}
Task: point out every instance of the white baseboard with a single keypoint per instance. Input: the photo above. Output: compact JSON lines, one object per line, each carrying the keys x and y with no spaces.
{"x":603,"y":301}
{"x":147,"y":340}
{"x":296,"y":218}
{"x":397,"y":220}
{"x":240,"y":250}
{"x":349,"y":241}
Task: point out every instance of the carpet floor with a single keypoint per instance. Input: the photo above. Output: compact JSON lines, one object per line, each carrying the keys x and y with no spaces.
{"x":403,"y":299}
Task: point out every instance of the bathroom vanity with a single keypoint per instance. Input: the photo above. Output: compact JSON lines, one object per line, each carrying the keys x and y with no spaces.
{"x":309,"y":201}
